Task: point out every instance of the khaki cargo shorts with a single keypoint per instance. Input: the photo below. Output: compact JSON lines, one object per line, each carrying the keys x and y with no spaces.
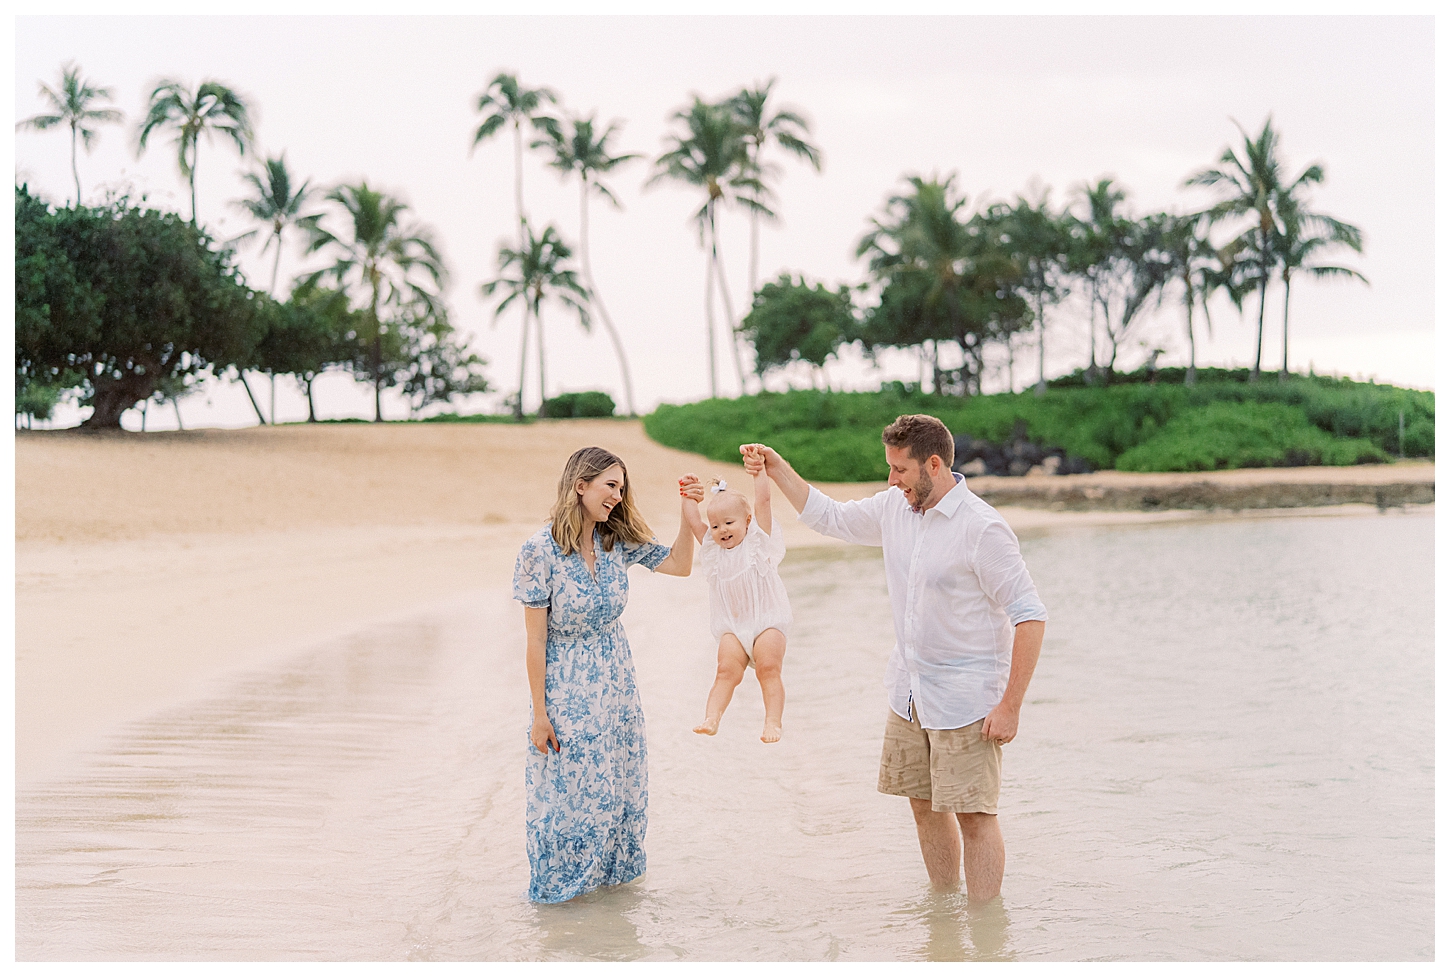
{"x":955,"y":769}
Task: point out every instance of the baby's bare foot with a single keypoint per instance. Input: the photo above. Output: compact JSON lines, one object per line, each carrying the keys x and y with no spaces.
{"x":710,"y":726}
{"x":771,"y":734}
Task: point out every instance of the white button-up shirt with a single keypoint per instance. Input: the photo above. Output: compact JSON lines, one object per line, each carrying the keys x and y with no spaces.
{"x":958,"y":588}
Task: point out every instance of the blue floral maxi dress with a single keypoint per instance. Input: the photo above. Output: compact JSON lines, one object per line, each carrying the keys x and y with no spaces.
{"x":585,"y":818}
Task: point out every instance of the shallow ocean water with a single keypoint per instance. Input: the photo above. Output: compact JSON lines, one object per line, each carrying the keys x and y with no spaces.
{"x":1227,"y":754}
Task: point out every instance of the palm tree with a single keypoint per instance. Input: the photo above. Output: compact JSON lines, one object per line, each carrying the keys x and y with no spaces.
{"x":1040,"y":242}
{"x":533,"y":274}
{"x":274,"y":204}
{"x":73,"y":104}
{"x":1255,"y":189}
{"x":398,"y":266}
{"x":213,"y":108}
{"x":509,"y":103}
{"x":1190,"y":260}
{"x":581,"y":152}
{"x":1300,"y":237}
{"x":711,"y":155}
{"x":785,"y":128}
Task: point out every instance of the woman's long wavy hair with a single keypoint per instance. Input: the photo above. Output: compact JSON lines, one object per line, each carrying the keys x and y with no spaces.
{"x":624,"y":521}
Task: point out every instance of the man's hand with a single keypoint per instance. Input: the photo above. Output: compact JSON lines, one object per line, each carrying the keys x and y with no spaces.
{"x":759,"y":458}
{"x":1000,"y":724}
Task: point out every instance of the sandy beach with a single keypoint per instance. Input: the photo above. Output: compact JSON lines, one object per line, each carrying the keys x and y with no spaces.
{"x":150,"y":565}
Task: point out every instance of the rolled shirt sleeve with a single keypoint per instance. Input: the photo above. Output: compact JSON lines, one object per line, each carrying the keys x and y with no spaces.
{"x":1004,"y":577}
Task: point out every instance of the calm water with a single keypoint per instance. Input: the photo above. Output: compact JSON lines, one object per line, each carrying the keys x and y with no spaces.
{"x":1227,"y":754}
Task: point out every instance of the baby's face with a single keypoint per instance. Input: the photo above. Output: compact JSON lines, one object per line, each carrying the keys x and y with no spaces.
{"x":728,"y":522}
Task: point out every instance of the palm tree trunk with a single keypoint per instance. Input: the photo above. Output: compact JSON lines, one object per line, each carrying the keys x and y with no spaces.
{"x":272,"y":408}
{"x":754,"y":252}
{"x":594,"y":294}
{"x":75,"y":172}
{"x":1259,"y":345}
{"x":1191,"y":377}
{"x":311,"y":411}
{"x":709,"y":300}
{"x":539,"y":331}
{"x":1284,"y":373}
{"x":248,"y":388}
{"x":523,"y":362}
{"x":1092,"y":370}
{"x":192,"y":177}
{"x":276,"y":263}
{"x":176,"y":405}
{"x":729,"y":311}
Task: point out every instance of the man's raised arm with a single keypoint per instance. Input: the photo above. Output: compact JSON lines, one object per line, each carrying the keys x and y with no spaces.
{"x":855,"y":522}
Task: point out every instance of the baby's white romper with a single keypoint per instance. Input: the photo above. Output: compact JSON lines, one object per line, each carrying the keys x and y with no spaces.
{"x":746,"y":592}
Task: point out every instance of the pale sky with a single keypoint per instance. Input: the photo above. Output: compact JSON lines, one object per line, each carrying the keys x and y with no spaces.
{"x":1005,"y":103}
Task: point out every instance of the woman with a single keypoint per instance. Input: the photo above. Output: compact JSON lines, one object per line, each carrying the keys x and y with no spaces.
{"x":586,"y":779}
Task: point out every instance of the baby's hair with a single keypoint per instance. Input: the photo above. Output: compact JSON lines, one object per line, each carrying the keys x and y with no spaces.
{"x":719,"y":490}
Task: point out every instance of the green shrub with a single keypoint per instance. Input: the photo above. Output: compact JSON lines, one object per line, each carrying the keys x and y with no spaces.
{"x":589,"y":403}
{"x":1228,"y":435}
{"x":837,"y":436}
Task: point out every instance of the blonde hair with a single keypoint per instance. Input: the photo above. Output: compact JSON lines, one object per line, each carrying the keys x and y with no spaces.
{"x":624,"y":522}
{"x":725,"y":493}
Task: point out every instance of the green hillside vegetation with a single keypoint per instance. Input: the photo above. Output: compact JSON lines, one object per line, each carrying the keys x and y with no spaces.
{"x":1216,"y":424}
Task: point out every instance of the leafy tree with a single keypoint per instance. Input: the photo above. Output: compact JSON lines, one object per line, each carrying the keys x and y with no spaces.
{"x":944,"y":279}
{"x":428,"y":363}
{"x":1039,"y":241}
{"x":530,"y":276}
{"x":123,"y":302}
{"x":1191,"y":261}
{"x":397,"y":267}
{"x":580,"y":151}
{"x":791,"y":321}
{"x":710,"y":154}
{"x":1114,"y":252}
{"x":212,"y":109}
{"x":760,"y":126}
{"x":313,"y":331}
{"x":74,"y":104}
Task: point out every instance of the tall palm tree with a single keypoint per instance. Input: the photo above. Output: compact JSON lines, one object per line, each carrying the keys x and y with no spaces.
{"x":710,"y":155}
{"x":73,"y":104}
{"x":398,"y":265}
{"x":1039,"y":240}
{"x":1191,"y":261}
{"x":212,"y":109}
{"x":274,"y":204}
{"x":532,"y":274}
{"x":508,"y":103}
{"x":1300,"y":237}
{"x":580,"y":151}
{"x":1255,"y":189}
{"x":759,"y":125}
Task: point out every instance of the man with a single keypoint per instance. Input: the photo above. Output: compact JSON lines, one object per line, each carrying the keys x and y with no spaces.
{"x":969,"y":630}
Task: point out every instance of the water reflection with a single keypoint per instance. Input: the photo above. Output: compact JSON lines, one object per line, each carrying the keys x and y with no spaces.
{"x":594,"y":926}
{"x":958,"y":929}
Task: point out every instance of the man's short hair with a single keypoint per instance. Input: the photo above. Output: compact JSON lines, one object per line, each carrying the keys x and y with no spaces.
{"x":922,"y":435}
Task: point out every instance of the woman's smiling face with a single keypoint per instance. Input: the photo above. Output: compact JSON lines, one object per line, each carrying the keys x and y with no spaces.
{"x":600,"y":495}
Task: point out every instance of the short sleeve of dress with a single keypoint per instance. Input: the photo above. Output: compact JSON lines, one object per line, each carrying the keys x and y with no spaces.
{"x":651,"y":554}
{"x":772,"y":547}
{"x":534,"y":572}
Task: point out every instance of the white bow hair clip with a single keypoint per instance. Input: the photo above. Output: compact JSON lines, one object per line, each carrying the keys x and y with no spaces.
{"x":717,"y":487}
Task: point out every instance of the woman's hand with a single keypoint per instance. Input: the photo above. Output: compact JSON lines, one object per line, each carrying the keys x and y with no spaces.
{"x":692,"y":488}
{"x":542,"y":735}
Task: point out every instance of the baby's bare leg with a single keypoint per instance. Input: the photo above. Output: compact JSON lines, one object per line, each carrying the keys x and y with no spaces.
{"x":728,"y":673}
{"x":769,"y":653}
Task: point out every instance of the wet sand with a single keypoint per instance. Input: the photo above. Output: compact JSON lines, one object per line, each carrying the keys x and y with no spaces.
{"x":148,"y":567}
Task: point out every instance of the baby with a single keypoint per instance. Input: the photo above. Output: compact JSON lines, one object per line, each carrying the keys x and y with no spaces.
{"x":749,"y":610}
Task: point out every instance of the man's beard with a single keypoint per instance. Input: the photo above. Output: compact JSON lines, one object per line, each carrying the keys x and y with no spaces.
{"x":922,"y":488}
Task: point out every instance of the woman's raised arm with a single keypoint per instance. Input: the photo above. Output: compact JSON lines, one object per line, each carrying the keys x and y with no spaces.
{"x":682,"y":555}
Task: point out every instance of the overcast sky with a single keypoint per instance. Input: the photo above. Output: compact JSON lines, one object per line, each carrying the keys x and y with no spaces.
{"x":1004,"y":103}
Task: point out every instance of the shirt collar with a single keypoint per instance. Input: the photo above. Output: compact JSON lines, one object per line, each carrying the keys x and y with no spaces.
{"x":956,"y":495}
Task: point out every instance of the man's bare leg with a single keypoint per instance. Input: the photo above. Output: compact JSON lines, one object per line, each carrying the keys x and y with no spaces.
{"x":769,"y":653}
{"x":729,"y":670}
{"x":983,"y":855}
{"x":941,"y":844}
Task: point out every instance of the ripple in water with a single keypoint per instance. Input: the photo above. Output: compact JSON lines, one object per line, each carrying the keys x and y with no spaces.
{"x":1227,"y":754}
